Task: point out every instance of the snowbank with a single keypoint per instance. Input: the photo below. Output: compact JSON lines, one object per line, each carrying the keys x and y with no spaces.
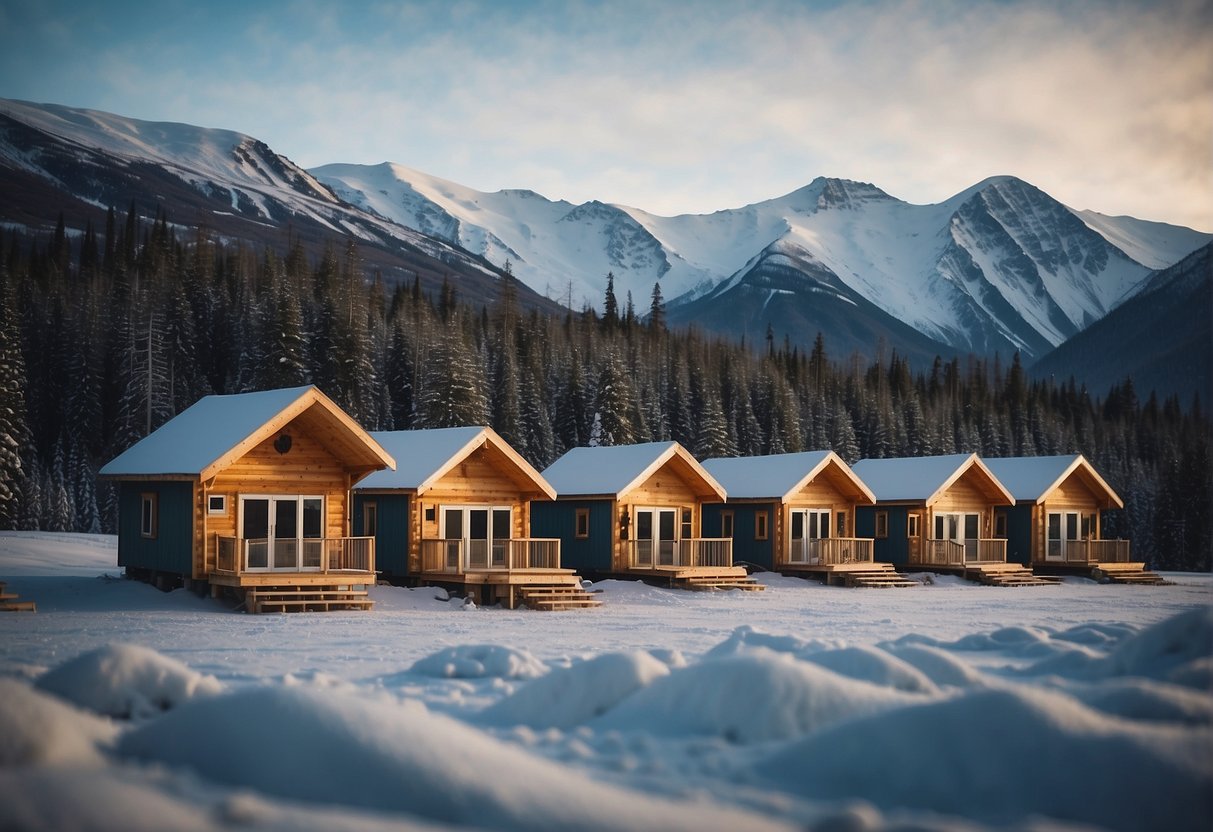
{"x":571,"y":696}
{"x":38,"y":730}
{"x":328,"y":747}
{"x":126,"y":681}
{"x":753,"y":697}
{"x":940,"y":666}
{"x":746,"y":637}
{"x":1003,"y":756}
{"x":480,"y":661}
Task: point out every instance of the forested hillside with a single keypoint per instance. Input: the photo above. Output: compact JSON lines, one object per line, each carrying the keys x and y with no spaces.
{"x":105,"y":337}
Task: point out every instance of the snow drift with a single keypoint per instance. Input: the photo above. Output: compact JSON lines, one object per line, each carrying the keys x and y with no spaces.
{"x":480,"y":661}
{"x":126,"y":681}
{"x":38,"y":730}
{"x":327,"y":747}
{"x":1003,"y":756}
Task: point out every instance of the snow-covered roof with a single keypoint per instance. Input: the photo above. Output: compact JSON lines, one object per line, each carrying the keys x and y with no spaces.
{"x":777,"y":476}
{"x":923,"y":478}
{"x":617,"y":469}
{"x":424,"y":456}
{"x":215,"y":430}
{"x":1032,"y":478}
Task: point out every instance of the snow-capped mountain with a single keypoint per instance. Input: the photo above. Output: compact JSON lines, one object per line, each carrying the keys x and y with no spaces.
{"x":80,"y":162}
{"x":1000,"y":266}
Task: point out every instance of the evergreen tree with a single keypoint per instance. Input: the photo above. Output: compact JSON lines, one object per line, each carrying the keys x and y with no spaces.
{"x":16,"y":440}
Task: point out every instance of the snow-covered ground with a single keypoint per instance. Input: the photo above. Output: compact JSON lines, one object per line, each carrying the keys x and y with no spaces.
{"x":946,"y":706}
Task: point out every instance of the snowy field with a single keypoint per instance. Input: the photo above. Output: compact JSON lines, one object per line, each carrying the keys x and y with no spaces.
{"x":946,"y":706}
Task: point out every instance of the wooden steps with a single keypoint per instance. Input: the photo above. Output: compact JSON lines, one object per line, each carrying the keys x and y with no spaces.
{"x":707,"y":583}
{"x":300,"y":598}
{"x":873,"y":576}
{"x":11,"y":601}
{"x":1008,"y":574}
{"x":556,"y":596}
{"x":1127,"y":573}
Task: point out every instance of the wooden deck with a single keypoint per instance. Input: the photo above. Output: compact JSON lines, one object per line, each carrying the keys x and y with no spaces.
{"x":861,"y":574}
{"x":542,"y":589}
{"x":11,"y":601}
{"x":695,"y":577}
{"x":1115,"y":573}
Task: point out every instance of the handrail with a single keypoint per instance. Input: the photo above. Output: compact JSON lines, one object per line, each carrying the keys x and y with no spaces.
{"x":520,"y":554}
{"x":309,"y":554}
{"x":941,"y":553}
{"x":830,"y":551}
{"x":990,"y":550}
{"x":1091,"y":551}
{"x":688,"y":552}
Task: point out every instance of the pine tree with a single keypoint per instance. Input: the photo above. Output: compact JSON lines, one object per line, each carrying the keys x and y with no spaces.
{"x":16,"y":441}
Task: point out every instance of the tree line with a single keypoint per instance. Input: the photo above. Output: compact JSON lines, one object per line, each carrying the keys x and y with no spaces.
{"x":106,"y":335}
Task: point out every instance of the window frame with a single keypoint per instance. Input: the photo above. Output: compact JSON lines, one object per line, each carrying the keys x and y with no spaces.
{"x":1000,"y":525}
{"x":880,"y":530}
{"x":210,"y":505}
{"x":149,"y":515}
{"x":840,"y":524}
{"x":581,"y":524}
{"x":913,"y":526}
{"x":370,"y":518}
{"x":762,"y":525}
{"x":728,"y":522}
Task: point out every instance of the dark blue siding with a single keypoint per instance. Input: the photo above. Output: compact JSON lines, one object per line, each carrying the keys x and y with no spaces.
{"x":392,"y":535}
{"x":172,"y":549}
{"x":1019,"y":534}
{"x":896,"y":547}
{"x":745,"y":548}
{"x":559,"y":518}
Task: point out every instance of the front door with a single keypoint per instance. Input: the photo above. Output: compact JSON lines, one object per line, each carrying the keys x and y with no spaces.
{"x":656,"y":537}
{"x":808,"y":526}
{"x":282,"y":532}
{"x":1064,"y":529}
{"x":961,"y":528}
{"x":483,"y":532}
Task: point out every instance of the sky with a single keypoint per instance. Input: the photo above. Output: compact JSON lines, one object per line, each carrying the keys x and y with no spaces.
{"x":669,"y":106}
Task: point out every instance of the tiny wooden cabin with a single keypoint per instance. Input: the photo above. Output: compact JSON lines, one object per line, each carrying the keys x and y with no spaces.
{"x":1056,"y":516}
{"x":790,"y":512}
{"x":935,"y":511}
{"x":638,"y":510}
{"x":250,"y":491}
{"x":456,"y":512}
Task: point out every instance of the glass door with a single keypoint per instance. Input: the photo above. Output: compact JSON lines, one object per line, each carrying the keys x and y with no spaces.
{"x":808,"y":526}
{"x":483,"y":532}
{"x":282,"y":532}
{"x":656,"y":537}
{"x":1064,"y":528}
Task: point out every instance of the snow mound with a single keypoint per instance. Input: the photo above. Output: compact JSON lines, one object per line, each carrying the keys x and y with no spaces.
{"x":570,"y":696}
{"x":940,"y":666}
{"x":36,"y":729}
{"x":1147,"y":700}
{"x":126,"y":681}
{"x":1003,"y":756}
{"x":753,"y":697}
{"x":480,"y":661}
{"x":746,"y":637}
{"x":1165,"y":649}
{"x":869,"y":664}
{"x":325,"y":747}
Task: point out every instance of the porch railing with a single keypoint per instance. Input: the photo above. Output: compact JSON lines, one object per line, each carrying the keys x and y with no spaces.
{"x":455,"y":556}
{"x":1089,"y":551}
{"x":830,"y":551}
{"x":952,"y":553}
{"x":691,"y":551}
{"x":237,"y":555}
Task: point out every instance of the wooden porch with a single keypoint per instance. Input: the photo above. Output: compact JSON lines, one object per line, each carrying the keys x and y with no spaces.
{"x":1107,"y":561}
{"x":700,"y":563}
{"x":844,"y":561}
{"x":11,"y":601}
{"x":517,"y":571}
{"x":316,"y":574}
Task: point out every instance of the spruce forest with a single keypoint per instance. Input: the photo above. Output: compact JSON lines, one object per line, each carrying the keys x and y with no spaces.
{"x":105,"y":336}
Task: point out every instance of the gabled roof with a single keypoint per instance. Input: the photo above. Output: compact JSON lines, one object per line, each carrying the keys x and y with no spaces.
{"x":614,"y":471}
{"x":215,"y":431}
{"x":780,"y":476}
{"x":926,"y":478}
{"x":1033,"y":478}
{"x":423,"y":457}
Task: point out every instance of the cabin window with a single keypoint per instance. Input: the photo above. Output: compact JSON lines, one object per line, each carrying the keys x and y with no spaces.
{"x":761,"y":530}
{"x":726,"y":524}
{"x":686,"y":524}
{"x":882,"y":524}
{"x":912,"y":525}
{"x":216,"y":504}
{"x":1088,"y":526}
{"x":148,"y":520}
{"x":1000,"y":524}
{"x":370,"y":519}
{"x":840,"y":524}
{"x":583,"y":523}
{"x":430,"y":514}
